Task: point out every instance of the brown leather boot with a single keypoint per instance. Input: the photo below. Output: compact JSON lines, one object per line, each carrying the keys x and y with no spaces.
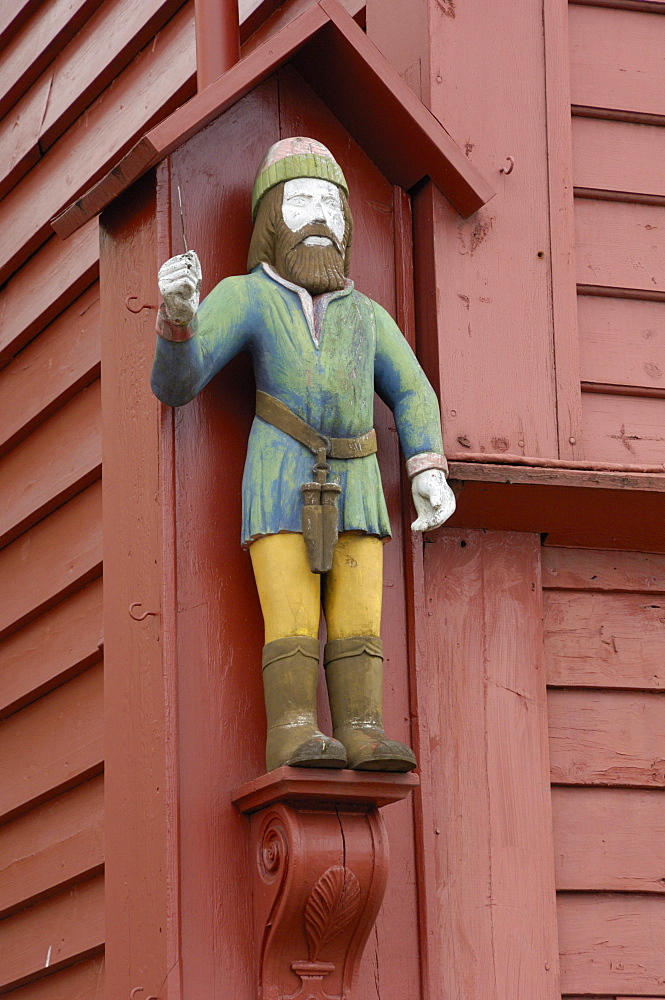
{"x":290,"y":675}
{"x":354,"y":674}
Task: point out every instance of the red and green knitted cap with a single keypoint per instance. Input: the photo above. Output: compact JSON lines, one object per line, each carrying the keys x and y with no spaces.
{"x":295,"y":157}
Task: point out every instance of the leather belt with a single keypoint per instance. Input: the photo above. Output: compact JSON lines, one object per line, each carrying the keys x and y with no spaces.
{"x":277,"y":413}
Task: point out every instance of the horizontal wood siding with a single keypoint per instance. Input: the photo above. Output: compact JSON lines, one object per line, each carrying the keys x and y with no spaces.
{"x":604,"y":621}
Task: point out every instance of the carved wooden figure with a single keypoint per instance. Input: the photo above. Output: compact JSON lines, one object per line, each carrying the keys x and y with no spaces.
{"x":319,"y":349}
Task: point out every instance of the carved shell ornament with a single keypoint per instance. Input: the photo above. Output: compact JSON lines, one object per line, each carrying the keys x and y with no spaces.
{"x":331,"y":906}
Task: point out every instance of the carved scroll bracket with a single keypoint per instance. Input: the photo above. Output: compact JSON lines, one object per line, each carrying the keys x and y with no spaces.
{"x":319,"y":857}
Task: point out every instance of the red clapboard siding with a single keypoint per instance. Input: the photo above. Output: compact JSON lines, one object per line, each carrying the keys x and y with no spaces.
{"x":50,"y":370}
{"x":623,"y":428}
{"x":52,"y":933}
{"x":38,"y":41}
{"x":604,"y":640}
{"x":59,"y":459}
{"x":45,"y":286}
{"x":618,"y":156}
{"x":622,"y":341}
{"x":609,"y":839}
{"x":600,"y":569}
{"x":51,"y":649}
{"x":51,"y":560}
{"x":607,"y":738}
{"x":83,"y":981}
{"x":620,"y":244}
{"x":13,"y":16}
{"x":53,"y":743}
{"x":154,"y":83}
{"x":612,"y":944}
{"x":52,"y":846}
{"x":19,"y":135}
{"x":617,"y":59}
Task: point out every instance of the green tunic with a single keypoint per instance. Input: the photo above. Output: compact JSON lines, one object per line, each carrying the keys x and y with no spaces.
{"x":323,"y":358}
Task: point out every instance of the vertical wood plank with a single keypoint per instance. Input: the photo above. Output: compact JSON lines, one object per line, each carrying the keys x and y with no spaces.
{"x":141,"y":899}
{"x":490,"y":883}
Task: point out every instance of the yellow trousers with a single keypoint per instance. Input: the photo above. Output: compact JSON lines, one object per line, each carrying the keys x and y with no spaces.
{"x":291,"y":595}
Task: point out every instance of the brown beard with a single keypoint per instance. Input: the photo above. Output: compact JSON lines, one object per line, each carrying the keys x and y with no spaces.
{"x":318,"y":269}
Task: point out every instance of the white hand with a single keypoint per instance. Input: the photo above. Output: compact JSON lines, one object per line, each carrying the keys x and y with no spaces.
{"x":433,"y":499}
{"x":180,"y":284}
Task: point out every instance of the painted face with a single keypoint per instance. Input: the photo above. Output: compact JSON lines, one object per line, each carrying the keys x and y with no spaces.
{"x":309,"y":200}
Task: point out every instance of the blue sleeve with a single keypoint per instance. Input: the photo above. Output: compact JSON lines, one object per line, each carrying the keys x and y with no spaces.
{"x":223,"y":327}
{"x":403,"y":386}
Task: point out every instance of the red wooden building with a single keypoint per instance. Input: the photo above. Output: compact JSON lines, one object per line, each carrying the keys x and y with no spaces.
{"x":525,"y":639}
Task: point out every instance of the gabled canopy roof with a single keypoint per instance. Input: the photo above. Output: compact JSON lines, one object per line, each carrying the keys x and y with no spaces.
{"x":345,"y":69}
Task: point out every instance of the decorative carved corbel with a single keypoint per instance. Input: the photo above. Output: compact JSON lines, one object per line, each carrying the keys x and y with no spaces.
{"x":319,"y":856}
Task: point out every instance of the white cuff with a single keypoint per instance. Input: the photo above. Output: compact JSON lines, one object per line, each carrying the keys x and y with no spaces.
{"x":423,"y":462}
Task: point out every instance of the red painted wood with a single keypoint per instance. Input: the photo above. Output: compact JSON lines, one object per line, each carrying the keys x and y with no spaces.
{"x":19,"y":135}
{"x":50,"y":370}
{"x":58,"y":460}
{"x":581,"y":569}
{"x":429,"y":151}
{"x":616,"y":59}
{"x":217,"y":39}
{"x":623,"y":428}
{"x":13,"y":16}
{"x":618,"y":156}
{"x":38,"y":41}
{"x":52,"y":649}
{"x":163,"y":75}
{"x":52,"y":744}
{"x":619,"y":244}
{"x":270,"y":16}
{"x":612,"y":943}
{"x":68,"y":551}
{"x":308,"y":787}
{"x":604,"y":640}
{"x":607,"y":738}
{"x":140,"y":769}
{"x":609,"y":839}
{"x":71,"y":925}
{"x":481,"y":268}
{"x":622,"y":341}
{"x":83,"y":981}
{"x":490,"y":883}
{"x":44,"y":286}
{"x":52,"y":846}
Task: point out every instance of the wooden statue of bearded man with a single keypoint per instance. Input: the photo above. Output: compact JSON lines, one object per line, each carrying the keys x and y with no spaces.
{"x":320,"y":350}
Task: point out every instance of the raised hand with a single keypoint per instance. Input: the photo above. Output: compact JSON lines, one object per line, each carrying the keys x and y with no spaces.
{"x":433,"y":499}
{"x":180,"y":284}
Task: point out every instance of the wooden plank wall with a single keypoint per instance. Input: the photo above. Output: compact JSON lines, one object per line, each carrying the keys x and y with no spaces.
{"x":617,"y":59}
{"x":80,"y":80}
{"x":604,"y":614}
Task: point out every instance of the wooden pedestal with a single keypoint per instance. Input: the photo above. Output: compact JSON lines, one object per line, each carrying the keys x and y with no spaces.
{"x":319,"y":863}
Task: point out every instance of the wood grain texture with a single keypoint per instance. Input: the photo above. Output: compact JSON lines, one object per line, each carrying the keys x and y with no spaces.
{"x":52,"y":744}
{"x":604,"y":640}
{"x":476,"y":288}
{"x":51,"y":649}
{"x":19,"y":135}
{"x":490,"y":877}
{"x":611,"y":944}
{"x":44,"y":286}
{"x":620,"y":244}
{"x":59,"y":459}
{"x":53,"y":933}
{"x":618,"y":156}
{"x":140,"y":768}
{"x":82,"y":981}
{"x":37,"y":42}
{"x":622,"y":341}
{"x":609,"y":839}
{"x":53,"y":846}
{"x":617,"y":59}
{"x":67,"y":548}
{"x":594,"y":569}
{"x":624,"y":428}
{"x":155,"y":82}
{"x":50,"y":370}
{"x":607,"y":738}
{"x":13,"y":16}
